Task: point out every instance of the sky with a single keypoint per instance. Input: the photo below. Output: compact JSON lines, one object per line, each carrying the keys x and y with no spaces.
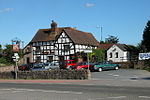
{"x":125,"y":19}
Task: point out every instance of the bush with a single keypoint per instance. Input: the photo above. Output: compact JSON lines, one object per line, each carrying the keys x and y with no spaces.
{"x":144,"y":64}
{"x":3,"y":60}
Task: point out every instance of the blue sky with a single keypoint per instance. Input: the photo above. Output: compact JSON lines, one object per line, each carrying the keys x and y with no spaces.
{"x":123,"y":18}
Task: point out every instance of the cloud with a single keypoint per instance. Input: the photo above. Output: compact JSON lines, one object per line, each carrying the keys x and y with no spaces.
{"x":88,"y":5}
{"x":6,"y":10}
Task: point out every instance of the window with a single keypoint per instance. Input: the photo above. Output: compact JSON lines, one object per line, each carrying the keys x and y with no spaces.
{"x":110,"y":55}
{"x":116,"y":54}
{"x":38,"y":49}
{"x":38,"y":59}
{"x":49,"y":58}
{"x":66,"y":48}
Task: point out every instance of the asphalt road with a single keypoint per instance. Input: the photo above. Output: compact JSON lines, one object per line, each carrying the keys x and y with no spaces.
{"x":107,"y":85}
{"x":17,"y":91}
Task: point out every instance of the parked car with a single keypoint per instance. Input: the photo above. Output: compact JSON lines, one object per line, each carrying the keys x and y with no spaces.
{"x":52,"y":65}
{"x":38,"y":67}
{"x":68,"y":63}
{"x":105,"y":66}
{"x":24,"y":67}
{"x":83,"y":65}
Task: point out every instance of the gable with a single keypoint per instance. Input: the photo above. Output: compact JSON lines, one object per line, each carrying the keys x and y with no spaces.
{"x":63,"y":38}
{"x":115,"y":48}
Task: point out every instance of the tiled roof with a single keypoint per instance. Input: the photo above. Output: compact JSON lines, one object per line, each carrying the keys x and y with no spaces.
{"x":123,"y":47}
{"x":105,"y":46}
{"x":80,"y":37}
{"x":77,"y":36}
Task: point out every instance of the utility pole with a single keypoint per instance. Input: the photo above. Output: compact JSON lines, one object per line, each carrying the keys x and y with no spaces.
{"x":101,"y":35}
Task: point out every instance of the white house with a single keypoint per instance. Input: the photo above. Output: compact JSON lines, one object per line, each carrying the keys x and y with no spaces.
{"x":57,"y":44}
{"x":118,"y":53}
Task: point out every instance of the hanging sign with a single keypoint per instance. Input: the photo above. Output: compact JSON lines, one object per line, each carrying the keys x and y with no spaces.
{"x":15,"y":47}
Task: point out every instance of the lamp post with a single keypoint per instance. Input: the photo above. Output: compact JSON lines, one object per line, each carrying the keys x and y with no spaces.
{"x":88,"y":51}
{"x":101,"y":36}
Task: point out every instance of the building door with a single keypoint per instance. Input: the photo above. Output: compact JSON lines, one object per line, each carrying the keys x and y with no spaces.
{"x":49,"y":58}
{"x":28,"y":60}
{"x":61,"y":62}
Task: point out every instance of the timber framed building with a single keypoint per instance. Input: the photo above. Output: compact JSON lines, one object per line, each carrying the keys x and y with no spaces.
{"x":57,"y":44}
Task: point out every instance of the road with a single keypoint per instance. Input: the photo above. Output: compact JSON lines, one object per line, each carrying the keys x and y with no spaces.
{"x":107,"y":85}
{"x":17,"y":91}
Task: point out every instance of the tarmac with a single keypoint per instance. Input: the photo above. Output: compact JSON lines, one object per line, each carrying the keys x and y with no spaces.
{"x":102,"y":82}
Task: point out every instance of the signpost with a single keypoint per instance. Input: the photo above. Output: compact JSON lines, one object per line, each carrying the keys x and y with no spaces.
{"x":15,"y":50}
{"x":88,"y":51}
{"x":16,"y":58}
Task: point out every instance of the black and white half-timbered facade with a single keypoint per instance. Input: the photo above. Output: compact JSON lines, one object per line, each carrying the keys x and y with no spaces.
{"x":57,"y":44}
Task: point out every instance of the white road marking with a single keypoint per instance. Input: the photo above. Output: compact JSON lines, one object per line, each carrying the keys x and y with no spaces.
{"x":146,"y":97}
{"x":118,"y":97}
{"x":116,"y":75}
{"x":6,"y":89}
{"x":14,"y":90}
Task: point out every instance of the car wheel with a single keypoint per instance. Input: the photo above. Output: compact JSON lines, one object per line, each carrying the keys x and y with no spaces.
{"x":100,"y":69}
{"x":49,"y":69}
{"x":116,"y":68}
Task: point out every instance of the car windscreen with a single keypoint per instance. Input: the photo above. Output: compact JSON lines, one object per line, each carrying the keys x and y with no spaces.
{"x":38,"y":66}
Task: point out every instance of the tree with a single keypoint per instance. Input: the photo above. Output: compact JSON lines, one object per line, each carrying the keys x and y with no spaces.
{"x":99,"y":55}
{"x":140,"y":47}
{"x":1,"y":51}
{"x":146,"y":37}
{"x":112,"y":39}
{"x":9,"y":53}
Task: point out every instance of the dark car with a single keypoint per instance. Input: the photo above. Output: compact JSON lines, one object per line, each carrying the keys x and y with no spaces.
{"x":24,"y":67}
{"x":38,"y":67}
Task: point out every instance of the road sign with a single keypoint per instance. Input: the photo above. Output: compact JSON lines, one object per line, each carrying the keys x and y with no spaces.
{"x":144,"y":56}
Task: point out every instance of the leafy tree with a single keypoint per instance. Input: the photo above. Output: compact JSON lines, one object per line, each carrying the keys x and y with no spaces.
{"x":99,"y":55}
{"x":9,"y":53}
{"x":0,"y":47}
{"x":146,"y":37}
{"x":1,"y":51}
{"x":112,"y":39}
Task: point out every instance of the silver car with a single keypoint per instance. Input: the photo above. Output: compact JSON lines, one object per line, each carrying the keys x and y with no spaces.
{"x":52,"y":65}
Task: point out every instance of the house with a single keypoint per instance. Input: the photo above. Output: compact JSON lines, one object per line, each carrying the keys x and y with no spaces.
{"x":119,"y":53}
{"x":58,"y":44}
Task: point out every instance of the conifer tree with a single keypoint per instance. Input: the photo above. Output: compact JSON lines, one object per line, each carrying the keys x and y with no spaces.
{"x":146,"y":37}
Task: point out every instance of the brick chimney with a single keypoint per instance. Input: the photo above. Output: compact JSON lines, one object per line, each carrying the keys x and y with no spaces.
{"x":53,"y":26}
